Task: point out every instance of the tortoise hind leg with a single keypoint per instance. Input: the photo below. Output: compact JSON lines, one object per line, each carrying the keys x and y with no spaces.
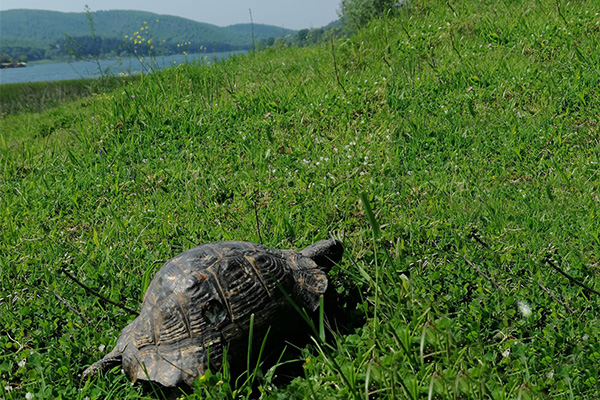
{"x":111,"y":360}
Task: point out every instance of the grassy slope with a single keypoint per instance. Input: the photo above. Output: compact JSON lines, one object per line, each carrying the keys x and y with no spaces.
{"x":471,"y":131}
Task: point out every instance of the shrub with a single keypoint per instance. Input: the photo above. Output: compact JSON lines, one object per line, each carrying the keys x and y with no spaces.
{"x":357,"y":13}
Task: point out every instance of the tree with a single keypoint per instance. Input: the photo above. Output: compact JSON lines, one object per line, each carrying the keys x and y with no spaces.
{"x":357,"y":13}
{"x":5,"y":58}
{"x":302,"y":35}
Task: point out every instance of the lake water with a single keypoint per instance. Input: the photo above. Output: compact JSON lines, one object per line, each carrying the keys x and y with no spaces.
{"x":90,"y":69}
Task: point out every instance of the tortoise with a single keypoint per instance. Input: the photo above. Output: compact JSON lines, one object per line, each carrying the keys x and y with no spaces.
{"x":203,"y":299}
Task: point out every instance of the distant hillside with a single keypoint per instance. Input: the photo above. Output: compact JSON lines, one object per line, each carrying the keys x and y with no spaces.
{"x":41,"y":34}
{"x":260,"y":31}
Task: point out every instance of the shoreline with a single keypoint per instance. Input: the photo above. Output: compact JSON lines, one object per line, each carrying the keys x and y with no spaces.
{"x":114,"y":67}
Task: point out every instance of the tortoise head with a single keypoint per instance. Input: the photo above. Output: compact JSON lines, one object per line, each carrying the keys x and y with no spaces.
{"x":325,"y":253}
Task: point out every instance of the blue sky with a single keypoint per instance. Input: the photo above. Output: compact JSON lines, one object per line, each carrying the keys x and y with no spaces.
{"x":293,"y":14}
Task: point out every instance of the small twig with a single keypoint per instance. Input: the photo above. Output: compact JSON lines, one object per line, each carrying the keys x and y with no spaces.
{"x":405,"y":30}
{"x":229,"y":89}
{"x":92,"y":291}
{"x":256,"y":218}
{"x":450,"y":6}
{"x":21,"y":347}
{"x":387,"y":63}
{"x":480,"y":272}
{"x":454,"y":46}
{"x":560,"y":12}
{"x":337,"y":78}
{"x":555,"y":298}
{"x":570,"y":278}
{"x":252,"y":27}
{"x":71,"y":308}
{"x":478,"y":238}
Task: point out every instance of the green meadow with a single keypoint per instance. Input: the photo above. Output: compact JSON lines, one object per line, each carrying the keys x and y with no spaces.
{"x":453,"y":147}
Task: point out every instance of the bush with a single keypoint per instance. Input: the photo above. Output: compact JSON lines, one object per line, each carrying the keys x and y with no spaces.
{"x":357,"y":13}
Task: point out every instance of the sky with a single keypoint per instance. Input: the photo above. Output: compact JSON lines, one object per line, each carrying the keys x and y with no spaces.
{"x":292,"y":14}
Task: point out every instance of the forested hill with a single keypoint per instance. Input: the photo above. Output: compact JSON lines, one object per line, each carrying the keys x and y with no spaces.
{"x":37,"y":34}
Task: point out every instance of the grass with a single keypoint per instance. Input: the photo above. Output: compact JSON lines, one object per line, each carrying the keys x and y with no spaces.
{"x":36,"y":97}
{"x":455,"y":151}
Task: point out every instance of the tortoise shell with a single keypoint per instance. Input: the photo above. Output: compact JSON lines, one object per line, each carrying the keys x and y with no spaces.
{"x":203,"y":299}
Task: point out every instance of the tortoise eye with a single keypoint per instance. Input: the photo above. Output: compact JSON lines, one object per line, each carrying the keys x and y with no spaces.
{"x":214,"y":312}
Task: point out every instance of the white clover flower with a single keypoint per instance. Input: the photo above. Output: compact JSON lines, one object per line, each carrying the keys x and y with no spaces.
{"x":29,"y":396}
{"x":8,"y":388}
{"x":22,"y":363}
{"x":506,"y":353}
{"x":525,"y":309}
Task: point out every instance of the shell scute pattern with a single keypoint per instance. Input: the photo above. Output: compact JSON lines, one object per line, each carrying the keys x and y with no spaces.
{"x":204,"y":298}
{"x":171,"y":320}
